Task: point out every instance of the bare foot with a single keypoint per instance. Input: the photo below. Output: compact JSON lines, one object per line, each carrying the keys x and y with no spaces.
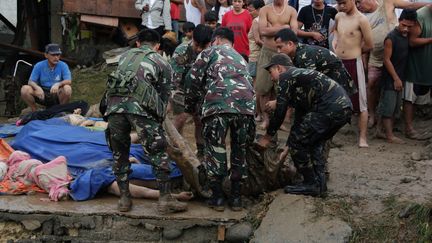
{"x":395,"y":140}
{"x":184,"y":196}
{"x":363,"y":143}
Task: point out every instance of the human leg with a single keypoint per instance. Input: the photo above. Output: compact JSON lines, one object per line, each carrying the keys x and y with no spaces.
{"x":27,"y":95}
{"x":214,"y":132}
{"x":374,"y":76}
{"x":154,"y":143}
{"x":242,"y":135}
{"x":118,"y":139}
{"x":65,"y":94}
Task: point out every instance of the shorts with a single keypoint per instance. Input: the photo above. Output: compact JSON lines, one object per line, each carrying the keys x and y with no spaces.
{"x":390,"y":104}
{"x":263,"y":83}
{"x":416,"y":94}
{"x":252,"y":66}
{"x":355,"y":69}
{"x":49,"y":99}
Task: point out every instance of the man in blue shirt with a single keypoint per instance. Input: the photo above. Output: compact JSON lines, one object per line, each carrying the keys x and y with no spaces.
{"x":50,"y":81}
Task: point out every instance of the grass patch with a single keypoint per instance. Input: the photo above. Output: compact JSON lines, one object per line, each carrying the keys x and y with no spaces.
{"x":89,"y":84}
{"x":386,"y":226}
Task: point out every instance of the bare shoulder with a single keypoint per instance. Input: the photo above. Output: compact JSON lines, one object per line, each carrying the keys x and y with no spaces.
{"x":362,"y":19}
{"x":265,"y":9}
{"x":291,"y":10}
{"x":340,"y":15}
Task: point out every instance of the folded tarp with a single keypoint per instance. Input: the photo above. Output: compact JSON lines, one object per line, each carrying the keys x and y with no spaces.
{"x":9,"y":130}
{"x":83,"y":149}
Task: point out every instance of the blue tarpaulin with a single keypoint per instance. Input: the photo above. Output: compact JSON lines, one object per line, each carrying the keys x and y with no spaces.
{"x":9,"y":130}
{"x":83,"y":149}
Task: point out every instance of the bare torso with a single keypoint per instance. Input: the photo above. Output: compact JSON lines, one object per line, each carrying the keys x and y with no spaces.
{"x":276,"y":18}
{"x":348,"y":41}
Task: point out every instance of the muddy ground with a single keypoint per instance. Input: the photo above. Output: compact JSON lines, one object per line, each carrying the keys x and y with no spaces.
{"x":383,"y":192}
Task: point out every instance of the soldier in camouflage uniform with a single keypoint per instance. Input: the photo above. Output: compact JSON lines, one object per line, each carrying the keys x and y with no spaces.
{"x":314,"y":57}
{"x":136,"y":97}
{"x":322,"y":108}
{"x":182,"y":60}
{"x":219,"y":80}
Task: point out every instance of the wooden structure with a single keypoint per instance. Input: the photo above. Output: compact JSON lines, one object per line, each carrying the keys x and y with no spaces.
{"x":111,"y":8}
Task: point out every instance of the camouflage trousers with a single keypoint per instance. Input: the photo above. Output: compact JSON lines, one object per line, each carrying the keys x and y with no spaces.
{"x":242,"y":133}
{"x":151,"y":136}
{"x":309,"y":134}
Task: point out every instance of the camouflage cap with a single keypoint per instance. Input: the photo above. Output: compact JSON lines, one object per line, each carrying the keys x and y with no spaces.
{"x":279,"y":59}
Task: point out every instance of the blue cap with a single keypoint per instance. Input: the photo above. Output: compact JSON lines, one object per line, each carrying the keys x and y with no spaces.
{"x":53,"y":49}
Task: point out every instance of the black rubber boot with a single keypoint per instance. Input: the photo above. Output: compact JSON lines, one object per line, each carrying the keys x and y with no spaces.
{"x":235,"y":199}
{"x":310,"y":185}
{"x":125,"y":202}
{"x":217,"y":200}
{"x":167,"y":203}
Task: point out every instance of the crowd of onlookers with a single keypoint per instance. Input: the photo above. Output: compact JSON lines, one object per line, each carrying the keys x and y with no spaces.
{"x":385,"y":53}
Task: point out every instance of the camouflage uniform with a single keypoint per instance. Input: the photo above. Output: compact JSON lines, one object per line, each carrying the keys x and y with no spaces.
{"x":322,"y":108}
{"x":326,"y":62}
{"x":126,"y":112}
{"x":183,"y":58}
{"x":220,"y":83}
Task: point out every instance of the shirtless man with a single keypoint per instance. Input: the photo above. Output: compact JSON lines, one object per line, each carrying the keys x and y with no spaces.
{"x":382,"y":19}
{"x":353,"y":36}
{"x":272,"y":18}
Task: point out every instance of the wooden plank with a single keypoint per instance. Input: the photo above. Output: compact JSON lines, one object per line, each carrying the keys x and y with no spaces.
{"x":111,"y":8}
{"x":104,"y":7}
{"x":107,"y":21}
{"x":221,"y":232}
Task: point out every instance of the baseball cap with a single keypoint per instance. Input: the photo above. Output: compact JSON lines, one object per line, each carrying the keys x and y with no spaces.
{"x":279,"y":59}
{"x":53,"y":49}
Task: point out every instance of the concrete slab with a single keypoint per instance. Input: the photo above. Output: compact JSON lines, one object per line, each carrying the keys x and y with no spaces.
{"x":99,"y":221}
{"x":291,"y":218}
{"x":107,"y":205}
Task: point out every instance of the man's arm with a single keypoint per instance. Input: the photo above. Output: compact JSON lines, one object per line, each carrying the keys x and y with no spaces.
{"x":263,"y":24}
{"x":414,"y":37}
{"x":178,"y":62}
{"x":194,"y":81}
{"x":407,"y":4}
{"x":293,"y":21}
{"x":256,"y":35}
{"x":388,"y":51}
{"x":367,"y":35}
{"x":167,"y":15}
{"x":281,"y":107}
{"x":139,"y":5}
{"x":335,"y":32}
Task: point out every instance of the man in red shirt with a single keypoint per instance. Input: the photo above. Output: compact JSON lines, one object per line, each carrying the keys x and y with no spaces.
{"x":175,"y":16}
{"x":239,"y":21}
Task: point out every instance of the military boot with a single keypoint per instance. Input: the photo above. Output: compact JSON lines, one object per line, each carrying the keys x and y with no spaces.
{"x":320,"y":171}
{"x":310,"y":185}
{"x":217,"y":200}
{"x":235,"y":198}
{"x":167,"y":203}
{"x":125,"y":202}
